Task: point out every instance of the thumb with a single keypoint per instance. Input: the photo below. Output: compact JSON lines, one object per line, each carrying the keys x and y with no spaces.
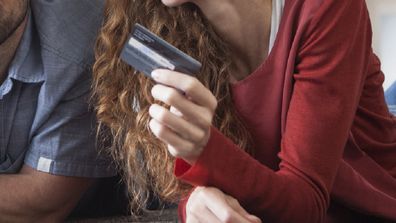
{"x":253,"y":219}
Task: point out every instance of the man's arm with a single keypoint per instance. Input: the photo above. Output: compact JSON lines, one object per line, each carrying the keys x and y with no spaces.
{"x":33,"y":196}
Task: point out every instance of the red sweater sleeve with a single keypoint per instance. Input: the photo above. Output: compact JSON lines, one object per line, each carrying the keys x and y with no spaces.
{"x":330,"y":69}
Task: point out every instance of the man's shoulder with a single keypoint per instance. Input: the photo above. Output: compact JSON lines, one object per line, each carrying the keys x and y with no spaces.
{"x":68,"y":29}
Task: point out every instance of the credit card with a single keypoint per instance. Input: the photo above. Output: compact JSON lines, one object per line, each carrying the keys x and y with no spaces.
{"x":146,"y":52}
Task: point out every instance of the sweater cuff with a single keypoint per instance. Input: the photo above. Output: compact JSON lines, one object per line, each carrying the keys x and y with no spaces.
{"x":181,"y":211}
{"x":198,"y":174}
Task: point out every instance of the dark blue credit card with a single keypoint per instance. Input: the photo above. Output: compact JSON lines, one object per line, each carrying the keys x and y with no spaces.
{"x":146,"y":52}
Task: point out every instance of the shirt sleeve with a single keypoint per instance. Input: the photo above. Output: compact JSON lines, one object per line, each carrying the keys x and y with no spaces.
{"x":65,"y":142}
{"x":329,"y":75}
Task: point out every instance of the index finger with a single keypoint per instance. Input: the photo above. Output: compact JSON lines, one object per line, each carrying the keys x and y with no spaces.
{"x":217,"y":204}
{"x":191,"y":86}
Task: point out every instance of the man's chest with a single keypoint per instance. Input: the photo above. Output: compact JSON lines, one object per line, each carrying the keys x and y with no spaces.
{"x":17,"y":113}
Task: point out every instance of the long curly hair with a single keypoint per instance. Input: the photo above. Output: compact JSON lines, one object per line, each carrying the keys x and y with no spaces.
{"x":122,"y":95}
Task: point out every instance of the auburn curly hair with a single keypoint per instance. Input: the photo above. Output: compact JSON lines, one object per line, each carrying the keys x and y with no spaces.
{"x":122,"y":97}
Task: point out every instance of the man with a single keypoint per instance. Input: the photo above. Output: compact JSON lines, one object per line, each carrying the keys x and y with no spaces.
{"x":47,"y":139}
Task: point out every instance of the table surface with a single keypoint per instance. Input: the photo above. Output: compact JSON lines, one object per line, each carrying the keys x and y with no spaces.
{"x":161,"y":216}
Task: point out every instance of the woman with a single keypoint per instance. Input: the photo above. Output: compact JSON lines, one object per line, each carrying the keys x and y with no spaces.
{"x":287,"y":115}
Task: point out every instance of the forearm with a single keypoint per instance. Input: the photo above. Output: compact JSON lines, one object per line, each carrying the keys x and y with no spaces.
{"x":30,"y":196}
{"x":22,"y":200}
{"x":297,"y":200}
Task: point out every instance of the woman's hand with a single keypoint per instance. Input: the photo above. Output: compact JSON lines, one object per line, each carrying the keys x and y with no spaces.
{"x":208,"y":204}
{"x":186,"y":126}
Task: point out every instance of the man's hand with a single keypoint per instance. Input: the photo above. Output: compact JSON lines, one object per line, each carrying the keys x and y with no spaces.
{"x":211,"y":205}
{"x":33,"y":196}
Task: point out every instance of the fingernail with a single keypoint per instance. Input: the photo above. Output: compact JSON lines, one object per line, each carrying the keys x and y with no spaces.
{"x":155,"y":74}
{"x":153,"y":109}
{"x":152,"y":124}
{"x":254,"y":218}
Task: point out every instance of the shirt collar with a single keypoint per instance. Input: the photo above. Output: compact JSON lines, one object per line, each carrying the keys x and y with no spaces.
{"x":27,"y":65}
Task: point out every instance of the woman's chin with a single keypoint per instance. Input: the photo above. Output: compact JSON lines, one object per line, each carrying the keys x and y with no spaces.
{"x":173,"y":3}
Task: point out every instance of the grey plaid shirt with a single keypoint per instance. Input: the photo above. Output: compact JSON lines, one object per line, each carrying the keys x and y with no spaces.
{"x":44,"y":117}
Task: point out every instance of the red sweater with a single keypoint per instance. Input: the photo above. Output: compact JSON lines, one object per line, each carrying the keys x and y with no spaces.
{"x":325,"y":142}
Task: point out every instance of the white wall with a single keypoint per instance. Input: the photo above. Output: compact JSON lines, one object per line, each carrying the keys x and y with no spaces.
{"x":383,"y":18}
